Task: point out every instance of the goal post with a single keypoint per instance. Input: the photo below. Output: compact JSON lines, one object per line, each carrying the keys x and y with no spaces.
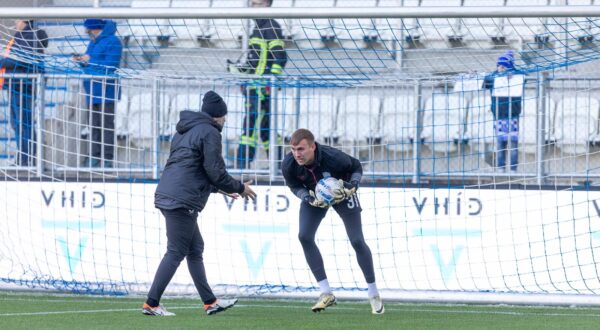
{"x":456,"y":206}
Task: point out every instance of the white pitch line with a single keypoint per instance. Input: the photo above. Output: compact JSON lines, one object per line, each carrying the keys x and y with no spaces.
{"x":446,"y":311}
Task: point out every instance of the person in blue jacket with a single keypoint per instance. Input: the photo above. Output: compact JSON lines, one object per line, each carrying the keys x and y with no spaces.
{"x":22,"y":55}
{"x":506,"y":111}
{"x":102,"y":58}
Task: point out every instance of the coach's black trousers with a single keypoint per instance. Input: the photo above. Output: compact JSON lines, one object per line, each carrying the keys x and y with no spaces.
{"x":183,"y":241}
{"x":349,"y":211}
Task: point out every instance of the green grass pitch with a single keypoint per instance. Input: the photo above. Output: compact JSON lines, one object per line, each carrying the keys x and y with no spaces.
{"x":47,"y":311}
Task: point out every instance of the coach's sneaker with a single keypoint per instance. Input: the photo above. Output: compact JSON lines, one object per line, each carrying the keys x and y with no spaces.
{"x":325,"y":300}
{"x":377,"y":305}
{"x":219,"y":306}
{"x":156,"y":311}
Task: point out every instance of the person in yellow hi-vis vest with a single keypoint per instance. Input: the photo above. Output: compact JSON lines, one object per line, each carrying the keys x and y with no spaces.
{"x":22,"y":56}
{"x":266,"y":56}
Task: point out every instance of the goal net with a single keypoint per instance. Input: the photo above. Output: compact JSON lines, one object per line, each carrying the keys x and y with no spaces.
{"x":457,"y":198}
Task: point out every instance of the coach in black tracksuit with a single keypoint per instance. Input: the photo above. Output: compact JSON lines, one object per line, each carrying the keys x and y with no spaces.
{"x":195,"y":169}
{"x":302,"y":169}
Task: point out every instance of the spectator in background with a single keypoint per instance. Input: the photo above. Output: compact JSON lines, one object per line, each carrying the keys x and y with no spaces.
{"x":506,"y":109}
{"x":102,"y":58}
{"x":22,"y":55}
{"x":266,"y":56}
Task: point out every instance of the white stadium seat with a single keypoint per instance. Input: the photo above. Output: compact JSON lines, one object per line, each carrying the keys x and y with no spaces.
{"x":141,"y":123}
{"x":439,"y":28}
{"x":318,"y":28}
{"x":482,"y":28}
{"x":190,"y":28}
{"x":576,"y":123}
{"x":230,"y":29}
{"x":528,"y":123}
{"x":398,"y":121}
{"x":480,"y":120}
{"x":318,"y":112}
{"x":358,"y":117}
{"x":352,"y":28}
{"x":149,"y":28}
{"x":443,"y":117}
{"x":235,"y":116}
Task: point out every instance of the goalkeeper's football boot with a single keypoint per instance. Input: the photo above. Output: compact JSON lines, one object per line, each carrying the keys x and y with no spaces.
{"x":159,"y":310}
{"x":219,"y":306}
{"x":325,"y":300}
{"x":377,"y":305}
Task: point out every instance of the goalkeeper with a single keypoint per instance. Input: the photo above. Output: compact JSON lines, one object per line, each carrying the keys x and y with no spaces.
{"x":302,"y":168}
{"x":266,"y":55}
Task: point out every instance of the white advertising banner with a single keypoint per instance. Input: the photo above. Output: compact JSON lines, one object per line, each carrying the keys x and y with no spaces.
{"x":110,"y":236}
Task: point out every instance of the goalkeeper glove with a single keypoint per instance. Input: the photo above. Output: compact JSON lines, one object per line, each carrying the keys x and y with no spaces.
{"x":347,"y":189}
{"x":312,"y":200}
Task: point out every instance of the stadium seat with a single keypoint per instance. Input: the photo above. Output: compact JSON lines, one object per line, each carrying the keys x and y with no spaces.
{"x":439,"y":28}
{"x":398,"y":120}
{"x":122,"y":117}
{"x":480,"y":120}
{"x":141,"y":122}
{"x":483,"y":28}
{"x":150,"y":28}
{"x":288,"y":25}
{"x":287,"y":114}
{"x":235,"y":116}
{"x":353,"y":28}
{"x":317,"y":29}
{"x":443,"y":121}
{"x":55,"y":98}
{"x":358,"y":117}
{"x":576,"y":123}
{"x":528,"y":123}
{"x":526,"y":28}
{"x":191,"y":29}
{"x":318,"y":112}
{"x":230,"y":29}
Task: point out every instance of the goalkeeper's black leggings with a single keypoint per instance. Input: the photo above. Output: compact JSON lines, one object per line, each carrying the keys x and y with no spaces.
{"x":349,"y":211}
{"x":183,"y":241}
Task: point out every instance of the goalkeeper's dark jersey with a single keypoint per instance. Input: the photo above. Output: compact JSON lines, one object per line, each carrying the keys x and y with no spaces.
{"x":327,"y":159}
{"x":266,"y":48}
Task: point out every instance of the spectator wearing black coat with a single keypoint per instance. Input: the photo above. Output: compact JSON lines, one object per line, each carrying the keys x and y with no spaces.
{"x":195,"y":169}
{"x":22,"y":55}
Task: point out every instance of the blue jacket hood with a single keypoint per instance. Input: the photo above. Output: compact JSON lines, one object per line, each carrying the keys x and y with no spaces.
{"x":110,"y":29}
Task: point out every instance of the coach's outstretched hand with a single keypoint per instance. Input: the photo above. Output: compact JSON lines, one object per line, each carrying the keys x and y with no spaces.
{"x":248,"y":192}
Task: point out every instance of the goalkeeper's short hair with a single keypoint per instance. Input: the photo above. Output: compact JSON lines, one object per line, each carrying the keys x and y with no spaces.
{"x":301,"y":134}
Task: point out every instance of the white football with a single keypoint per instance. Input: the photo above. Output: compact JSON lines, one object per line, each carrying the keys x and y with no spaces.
{"x":326,"y":189}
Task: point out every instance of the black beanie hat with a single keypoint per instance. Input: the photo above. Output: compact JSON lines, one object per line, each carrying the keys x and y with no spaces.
{"x":214,"y":105}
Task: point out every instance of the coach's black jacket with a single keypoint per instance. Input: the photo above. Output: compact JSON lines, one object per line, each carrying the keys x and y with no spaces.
{"x":195,"y":166}
{"x":338,"y":164}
